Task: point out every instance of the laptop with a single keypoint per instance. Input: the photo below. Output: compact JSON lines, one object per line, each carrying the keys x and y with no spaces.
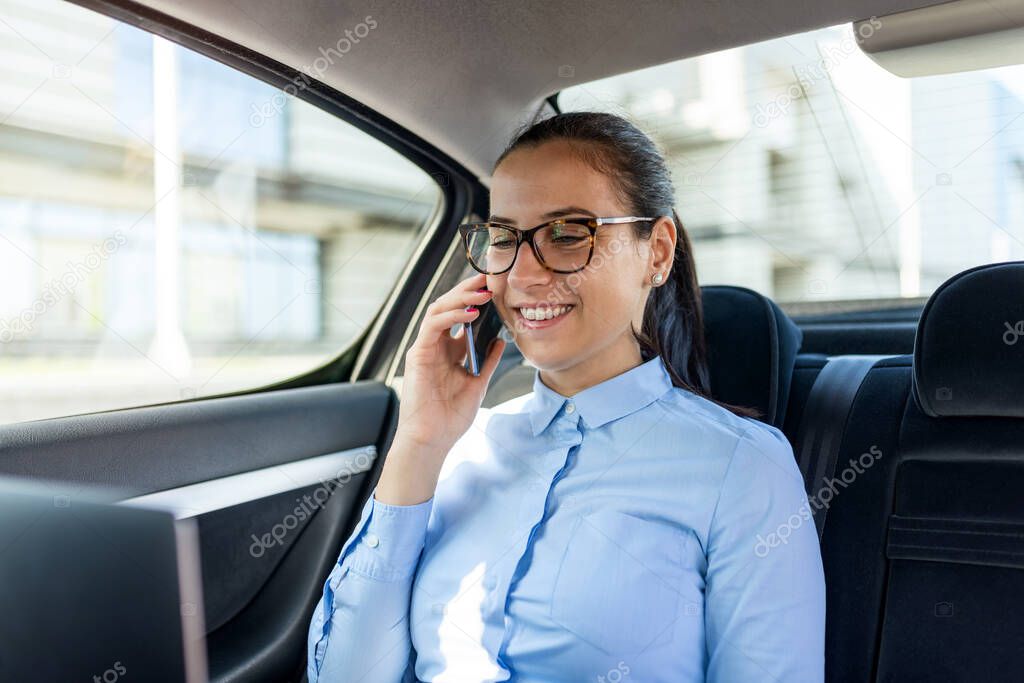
{"x":95,"y":591}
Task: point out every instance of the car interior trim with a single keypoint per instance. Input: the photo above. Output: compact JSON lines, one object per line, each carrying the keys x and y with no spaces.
{"x":218,"y":494}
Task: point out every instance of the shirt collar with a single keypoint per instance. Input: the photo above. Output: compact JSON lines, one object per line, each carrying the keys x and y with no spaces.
{"x":609,"y":400}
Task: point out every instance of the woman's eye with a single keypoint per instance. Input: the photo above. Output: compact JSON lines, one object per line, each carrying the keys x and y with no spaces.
{"x":502,"y":244}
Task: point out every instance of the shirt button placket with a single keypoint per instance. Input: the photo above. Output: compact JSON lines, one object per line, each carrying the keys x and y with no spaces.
{"x":519,"y":568}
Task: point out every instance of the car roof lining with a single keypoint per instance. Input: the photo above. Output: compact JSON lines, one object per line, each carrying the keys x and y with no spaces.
{"x":465,"y":76}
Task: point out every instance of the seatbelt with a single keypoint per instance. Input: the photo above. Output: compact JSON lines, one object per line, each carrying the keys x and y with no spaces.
{"x":824,"y":422}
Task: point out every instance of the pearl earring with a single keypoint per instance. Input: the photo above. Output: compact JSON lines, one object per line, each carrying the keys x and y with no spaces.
{"x":657,"y":278}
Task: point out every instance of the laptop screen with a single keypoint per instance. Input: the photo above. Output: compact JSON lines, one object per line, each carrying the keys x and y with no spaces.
{"x":94,"y":591}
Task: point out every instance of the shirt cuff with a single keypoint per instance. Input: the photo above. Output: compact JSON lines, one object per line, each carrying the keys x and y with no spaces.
{"x":389,"y":546}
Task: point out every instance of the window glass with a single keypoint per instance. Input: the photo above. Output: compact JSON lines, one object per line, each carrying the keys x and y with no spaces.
{"x":172,"y":228}
{"x":808,"y":173}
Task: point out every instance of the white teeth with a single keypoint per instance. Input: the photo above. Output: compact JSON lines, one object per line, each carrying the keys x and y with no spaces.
{"x":544,"y":312}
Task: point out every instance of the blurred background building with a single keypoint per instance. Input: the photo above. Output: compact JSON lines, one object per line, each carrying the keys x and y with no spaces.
{"x":807,"y":172}
{"x":290,"y":226}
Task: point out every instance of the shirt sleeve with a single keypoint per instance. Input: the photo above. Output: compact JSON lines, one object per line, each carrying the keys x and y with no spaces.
{"x":765,"y":591}
{"x":365,"y":603}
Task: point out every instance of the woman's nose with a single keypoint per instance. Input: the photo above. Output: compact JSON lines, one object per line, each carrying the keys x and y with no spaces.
{"x":527,"y":269}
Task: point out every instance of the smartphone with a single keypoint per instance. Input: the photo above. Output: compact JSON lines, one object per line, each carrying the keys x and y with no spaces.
{"x":479,"y":335}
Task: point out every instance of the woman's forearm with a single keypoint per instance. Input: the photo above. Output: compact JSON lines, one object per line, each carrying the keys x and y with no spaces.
{"x":410,"y":473}
{"x":360,"y":629}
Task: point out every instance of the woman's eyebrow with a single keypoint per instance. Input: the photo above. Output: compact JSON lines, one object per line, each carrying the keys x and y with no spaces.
{"x":557,"y":213}
{"x":568,"y":211}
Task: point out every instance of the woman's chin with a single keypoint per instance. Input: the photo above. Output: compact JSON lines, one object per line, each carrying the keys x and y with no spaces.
{"x":546,"y":358}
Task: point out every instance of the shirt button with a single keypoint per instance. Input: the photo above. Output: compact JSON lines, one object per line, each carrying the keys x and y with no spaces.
{"x":372,"y":540}
{"x":570,"y":408}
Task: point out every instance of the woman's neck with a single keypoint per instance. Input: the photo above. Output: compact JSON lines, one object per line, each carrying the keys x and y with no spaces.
{"x":607,"y":363}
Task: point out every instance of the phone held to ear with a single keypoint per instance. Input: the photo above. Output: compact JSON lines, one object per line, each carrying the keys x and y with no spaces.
{"x":479,"y":335}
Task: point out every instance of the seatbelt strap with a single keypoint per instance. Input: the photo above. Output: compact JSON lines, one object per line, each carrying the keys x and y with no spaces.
{"x":824,"y":422}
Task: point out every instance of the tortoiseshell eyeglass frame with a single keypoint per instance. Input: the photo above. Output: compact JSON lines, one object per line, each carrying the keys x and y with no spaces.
{"x":592,"y":224}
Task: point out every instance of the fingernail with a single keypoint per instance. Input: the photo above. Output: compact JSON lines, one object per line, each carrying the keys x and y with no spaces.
{"x":483,"y":289}
{"x":471,"y":309}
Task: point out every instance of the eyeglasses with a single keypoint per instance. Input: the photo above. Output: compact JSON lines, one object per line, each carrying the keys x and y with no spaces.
{"x":564,"y":245}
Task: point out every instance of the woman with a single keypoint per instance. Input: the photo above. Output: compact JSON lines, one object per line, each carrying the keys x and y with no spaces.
{"x":610,"y":524}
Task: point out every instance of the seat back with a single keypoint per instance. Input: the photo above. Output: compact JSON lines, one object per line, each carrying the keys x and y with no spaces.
{"x":858,"y":503}
{"x":752,"y":347}
{"x":955,"y":541}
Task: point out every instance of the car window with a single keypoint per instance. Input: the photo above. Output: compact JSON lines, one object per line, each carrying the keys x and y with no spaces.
{"x":172,"y":228}
{"x":808,"y":173}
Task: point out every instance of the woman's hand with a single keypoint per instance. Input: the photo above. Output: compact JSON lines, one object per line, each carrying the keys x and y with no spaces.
{"x":440,"y":398}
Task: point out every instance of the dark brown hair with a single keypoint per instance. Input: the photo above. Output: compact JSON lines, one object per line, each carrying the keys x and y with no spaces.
{"x":673,"y":325}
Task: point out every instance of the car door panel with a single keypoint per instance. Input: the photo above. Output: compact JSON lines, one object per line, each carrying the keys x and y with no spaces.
{"x":273,"y":481}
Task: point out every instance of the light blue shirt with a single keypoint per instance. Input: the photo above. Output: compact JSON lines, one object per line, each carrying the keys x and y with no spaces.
{"x":634,"y":531}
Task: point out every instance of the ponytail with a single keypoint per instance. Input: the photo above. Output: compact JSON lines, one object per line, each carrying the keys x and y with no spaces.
{"x":673,"y":322}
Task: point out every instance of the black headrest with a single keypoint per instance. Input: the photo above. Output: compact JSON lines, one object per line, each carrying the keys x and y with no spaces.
{"x":752,"y":347}
{"x":969,"y":350}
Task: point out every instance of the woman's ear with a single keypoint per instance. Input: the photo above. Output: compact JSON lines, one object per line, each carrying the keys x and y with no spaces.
{"x":663,"y":246}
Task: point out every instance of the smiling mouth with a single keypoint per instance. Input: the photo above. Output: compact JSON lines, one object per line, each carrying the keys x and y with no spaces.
{"x":543,"y":318}
{"x":542,"y":313}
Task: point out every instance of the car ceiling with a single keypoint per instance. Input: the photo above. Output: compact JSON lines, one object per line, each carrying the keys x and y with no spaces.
{"x":465,"y":75}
